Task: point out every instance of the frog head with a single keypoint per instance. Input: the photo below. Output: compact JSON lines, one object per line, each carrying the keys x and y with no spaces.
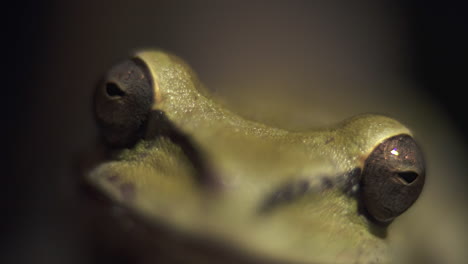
{"x":206,"y":184}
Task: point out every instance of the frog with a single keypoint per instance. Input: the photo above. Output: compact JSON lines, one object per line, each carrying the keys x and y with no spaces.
{"x":188,"y":180}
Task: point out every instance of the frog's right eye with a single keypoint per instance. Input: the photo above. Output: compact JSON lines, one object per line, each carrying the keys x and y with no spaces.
{"x":393,"y":177}
{"x":122,"y":102}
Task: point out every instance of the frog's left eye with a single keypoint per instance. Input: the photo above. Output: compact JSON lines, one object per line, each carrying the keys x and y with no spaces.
{"x":122,"y":102}
{"x":393,"y":178}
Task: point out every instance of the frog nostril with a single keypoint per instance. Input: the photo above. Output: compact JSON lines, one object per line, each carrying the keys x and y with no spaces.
{"x":113,"y":89}
{"x":408,"y":176}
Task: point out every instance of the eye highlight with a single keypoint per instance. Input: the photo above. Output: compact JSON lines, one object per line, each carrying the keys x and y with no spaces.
{"x":122,"y":102}
{"x":392,"y":178}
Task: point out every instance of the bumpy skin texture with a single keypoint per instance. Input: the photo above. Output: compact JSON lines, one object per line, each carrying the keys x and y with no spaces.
{"x":205,"y":172}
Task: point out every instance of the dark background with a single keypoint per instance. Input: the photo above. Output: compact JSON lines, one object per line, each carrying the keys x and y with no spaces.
{"x":35,"y":203}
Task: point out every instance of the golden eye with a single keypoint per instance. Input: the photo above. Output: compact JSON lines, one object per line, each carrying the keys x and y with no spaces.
{"x":393,"y":178}
{"x":122,"y":103}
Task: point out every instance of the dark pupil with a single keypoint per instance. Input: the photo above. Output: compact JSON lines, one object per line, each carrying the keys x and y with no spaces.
{"x":113,"y":90}
{"x":408,"y":177}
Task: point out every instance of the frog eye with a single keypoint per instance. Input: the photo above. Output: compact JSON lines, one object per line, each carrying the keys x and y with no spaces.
{"x":393,"y":178}
{"x":122,"y":102}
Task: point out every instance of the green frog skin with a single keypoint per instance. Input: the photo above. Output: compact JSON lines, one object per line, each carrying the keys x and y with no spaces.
{"x":208,"y":186}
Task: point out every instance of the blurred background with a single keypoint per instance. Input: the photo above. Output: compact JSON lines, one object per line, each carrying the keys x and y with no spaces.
{"x":293,"y":64}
